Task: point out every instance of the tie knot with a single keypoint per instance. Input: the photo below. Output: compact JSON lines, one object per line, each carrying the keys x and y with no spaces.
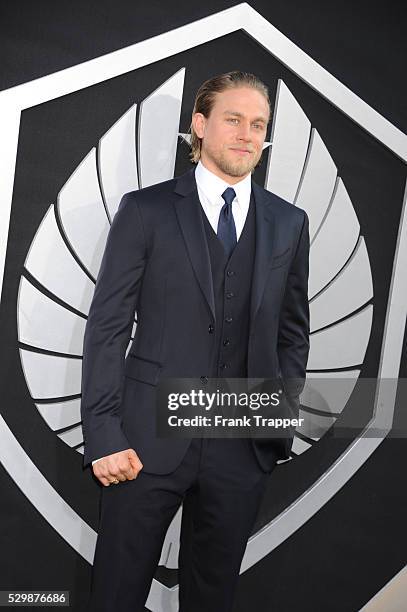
{"x":229,"y":195}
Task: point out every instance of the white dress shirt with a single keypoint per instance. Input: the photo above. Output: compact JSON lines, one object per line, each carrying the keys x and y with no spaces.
{"x":210,"y":189}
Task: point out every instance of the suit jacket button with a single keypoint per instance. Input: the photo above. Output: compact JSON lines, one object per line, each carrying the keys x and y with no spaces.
{"x":228,"y":319}
{"x":211,"y":329}
{"x":223,"y":366}
{"x":230,"y":273}
{"x":204,"y":379}
{"x":229,"y":295}
{"x":226,"y":342}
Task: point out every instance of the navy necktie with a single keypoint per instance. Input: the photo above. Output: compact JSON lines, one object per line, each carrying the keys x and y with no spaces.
{"x":226,"y":224}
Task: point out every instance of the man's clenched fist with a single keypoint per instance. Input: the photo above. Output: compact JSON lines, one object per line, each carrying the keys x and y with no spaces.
{"x":121,"y":466}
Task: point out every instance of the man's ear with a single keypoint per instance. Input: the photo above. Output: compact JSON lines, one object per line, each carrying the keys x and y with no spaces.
{"x":198,"y":123}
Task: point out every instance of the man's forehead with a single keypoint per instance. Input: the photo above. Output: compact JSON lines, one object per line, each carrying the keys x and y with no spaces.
{"x":236,"y":113}
{"x":235,"y":100}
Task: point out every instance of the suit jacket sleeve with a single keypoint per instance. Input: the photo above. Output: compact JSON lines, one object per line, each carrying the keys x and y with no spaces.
{"x":108,"y":331}
{"x":293,"y":335}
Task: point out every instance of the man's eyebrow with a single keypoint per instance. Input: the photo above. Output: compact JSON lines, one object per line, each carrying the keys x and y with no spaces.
{"x":237,"y":114}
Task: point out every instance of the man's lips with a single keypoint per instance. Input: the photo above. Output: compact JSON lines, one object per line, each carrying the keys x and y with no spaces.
{"x":241,"y":151}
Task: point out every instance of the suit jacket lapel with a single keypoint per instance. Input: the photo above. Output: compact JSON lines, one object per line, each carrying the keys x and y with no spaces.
{"x":188,"y":210}
{"x":265,"y":233}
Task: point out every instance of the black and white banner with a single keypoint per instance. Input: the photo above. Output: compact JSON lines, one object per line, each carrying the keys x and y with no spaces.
{"x":96,"y":101}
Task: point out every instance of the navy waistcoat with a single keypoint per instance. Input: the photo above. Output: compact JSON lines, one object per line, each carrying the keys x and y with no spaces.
{"x":232,"y":279}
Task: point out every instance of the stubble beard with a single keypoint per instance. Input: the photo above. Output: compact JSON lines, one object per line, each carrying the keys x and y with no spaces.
{"x":237,"y":169}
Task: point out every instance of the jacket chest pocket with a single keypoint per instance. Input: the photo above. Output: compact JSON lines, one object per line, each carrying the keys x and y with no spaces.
{"x":281,"y":259}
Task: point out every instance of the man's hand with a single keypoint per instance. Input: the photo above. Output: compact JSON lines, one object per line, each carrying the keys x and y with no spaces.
{"x":121,"y":466}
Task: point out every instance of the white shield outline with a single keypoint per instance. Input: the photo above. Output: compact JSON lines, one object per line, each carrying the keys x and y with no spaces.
{"x":241,"y":17}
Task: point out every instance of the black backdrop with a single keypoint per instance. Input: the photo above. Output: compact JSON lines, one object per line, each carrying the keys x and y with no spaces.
{"x":342,"y":556}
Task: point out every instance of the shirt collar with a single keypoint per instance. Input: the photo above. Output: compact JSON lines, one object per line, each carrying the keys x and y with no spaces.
{"x":213,"y":186}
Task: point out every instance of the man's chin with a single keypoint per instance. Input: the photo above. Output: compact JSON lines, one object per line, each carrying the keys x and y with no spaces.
{"x":237,"y":170}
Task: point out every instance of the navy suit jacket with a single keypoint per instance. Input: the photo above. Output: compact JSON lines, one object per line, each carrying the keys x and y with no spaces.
{"x":156,"y":262}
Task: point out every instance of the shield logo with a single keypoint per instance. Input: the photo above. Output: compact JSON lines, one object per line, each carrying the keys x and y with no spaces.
{"x":140,"y":148}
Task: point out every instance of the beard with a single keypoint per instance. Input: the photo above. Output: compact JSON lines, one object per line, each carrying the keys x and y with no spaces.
{"x":233,"y":167}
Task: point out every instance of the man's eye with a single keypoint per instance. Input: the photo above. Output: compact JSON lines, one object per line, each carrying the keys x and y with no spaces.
{"x":258,"y":126}
{"x":233,"y":120}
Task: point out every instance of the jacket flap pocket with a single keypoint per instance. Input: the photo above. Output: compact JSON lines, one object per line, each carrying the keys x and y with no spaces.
{"x":142,"y":369}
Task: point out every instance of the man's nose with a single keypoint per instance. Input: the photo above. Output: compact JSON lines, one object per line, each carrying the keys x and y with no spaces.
{"x":244,"y":131}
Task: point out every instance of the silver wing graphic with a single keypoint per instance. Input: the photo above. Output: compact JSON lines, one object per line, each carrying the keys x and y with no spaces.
{"x":65,"y":255}
{"x":301,"y":170}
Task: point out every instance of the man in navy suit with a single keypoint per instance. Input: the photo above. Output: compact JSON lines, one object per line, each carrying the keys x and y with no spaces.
{"x":216,"y":268}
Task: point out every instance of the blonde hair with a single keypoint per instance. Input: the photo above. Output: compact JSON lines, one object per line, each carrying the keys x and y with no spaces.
{"x":205,"y":98}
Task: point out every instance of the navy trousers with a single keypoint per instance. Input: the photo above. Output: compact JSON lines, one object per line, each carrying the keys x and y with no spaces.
{"x":221,"y":485}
